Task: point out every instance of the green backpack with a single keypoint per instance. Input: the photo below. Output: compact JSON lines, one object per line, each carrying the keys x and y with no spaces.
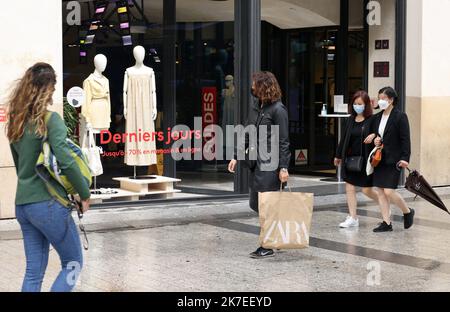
{"x":48,"y":170}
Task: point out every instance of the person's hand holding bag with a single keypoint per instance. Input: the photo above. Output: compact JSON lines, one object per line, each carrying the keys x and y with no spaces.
{"x":284,"y":175}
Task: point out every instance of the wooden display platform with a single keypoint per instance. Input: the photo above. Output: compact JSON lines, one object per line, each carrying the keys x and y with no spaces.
{"x":132,"y":190}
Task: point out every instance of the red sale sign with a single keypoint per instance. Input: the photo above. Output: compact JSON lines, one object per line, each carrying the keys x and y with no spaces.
{"x":209,"y":113}
{"x":209,"y":106}
{"x":2,"y":115}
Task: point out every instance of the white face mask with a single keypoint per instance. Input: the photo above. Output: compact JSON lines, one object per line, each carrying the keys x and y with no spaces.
{"x":383,"y":104}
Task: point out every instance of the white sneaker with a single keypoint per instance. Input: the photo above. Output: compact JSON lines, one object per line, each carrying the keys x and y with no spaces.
{"x":349,"y":222}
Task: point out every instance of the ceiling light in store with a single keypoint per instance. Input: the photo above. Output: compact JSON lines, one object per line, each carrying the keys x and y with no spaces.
{"x":127,"y":40}
{"x":100,"y":10}
{"x":122,"y":10}
{"x":90,"y":39}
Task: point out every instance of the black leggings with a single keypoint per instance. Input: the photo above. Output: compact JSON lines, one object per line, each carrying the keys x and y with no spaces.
{"x":254,"y":201}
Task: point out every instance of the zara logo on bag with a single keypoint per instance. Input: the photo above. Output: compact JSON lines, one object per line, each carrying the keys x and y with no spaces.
{"x":283,"y":229}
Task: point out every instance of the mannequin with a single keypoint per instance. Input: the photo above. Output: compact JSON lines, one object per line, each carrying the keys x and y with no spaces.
{"x":228,"y":95}
{"x":140,"y":110}
{"x":96,"y":111}
{"x":97,"y":107}
{"x":228,"y":104}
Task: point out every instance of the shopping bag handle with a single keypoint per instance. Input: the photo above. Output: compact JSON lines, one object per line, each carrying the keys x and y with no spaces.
{"x":281,"y":187}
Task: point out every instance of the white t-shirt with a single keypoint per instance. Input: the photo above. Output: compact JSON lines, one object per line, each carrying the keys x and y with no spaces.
{"x":383,"y":123}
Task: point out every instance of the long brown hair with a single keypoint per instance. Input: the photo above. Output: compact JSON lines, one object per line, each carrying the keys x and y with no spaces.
{"x":267,"y":88}
{"x":27,"y":103}
{"x":368,"y":111}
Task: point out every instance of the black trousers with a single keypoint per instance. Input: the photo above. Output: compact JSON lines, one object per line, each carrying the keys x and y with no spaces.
{"x":254,"y":201}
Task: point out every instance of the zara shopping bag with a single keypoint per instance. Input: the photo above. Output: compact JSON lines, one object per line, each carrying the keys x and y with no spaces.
{"x":92,"y":153}
{"x":285,"y":219}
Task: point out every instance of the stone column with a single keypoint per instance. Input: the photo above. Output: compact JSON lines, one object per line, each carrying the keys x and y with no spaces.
{"x":428,"y":88}
{"x":33,"y":34}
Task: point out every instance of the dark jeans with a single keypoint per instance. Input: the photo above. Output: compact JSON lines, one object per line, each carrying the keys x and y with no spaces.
{"x":46,"y":223}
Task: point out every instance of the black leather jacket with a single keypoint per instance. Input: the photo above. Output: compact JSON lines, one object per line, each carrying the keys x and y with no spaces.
{"x":264,"y":174}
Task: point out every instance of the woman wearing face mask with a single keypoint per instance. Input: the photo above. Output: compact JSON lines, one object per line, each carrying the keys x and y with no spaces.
{"x":392,"y":128}
{"x":356,"y":143}
{"x":265,"y":176}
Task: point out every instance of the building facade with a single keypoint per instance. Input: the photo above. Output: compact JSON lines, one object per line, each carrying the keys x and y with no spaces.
{"x":317,"y":49}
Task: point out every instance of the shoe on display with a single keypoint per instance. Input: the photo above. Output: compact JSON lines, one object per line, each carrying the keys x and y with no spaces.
{"x":262,"y":253}
{"x":349,"y":223}
{"x":384,"y":227}
{"x":408,"y":219}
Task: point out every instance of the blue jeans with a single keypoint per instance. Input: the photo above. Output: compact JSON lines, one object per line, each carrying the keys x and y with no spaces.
{"x":46,"y":223}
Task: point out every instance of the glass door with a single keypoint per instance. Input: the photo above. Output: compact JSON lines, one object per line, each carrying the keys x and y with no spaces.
{"x":310,"y":85}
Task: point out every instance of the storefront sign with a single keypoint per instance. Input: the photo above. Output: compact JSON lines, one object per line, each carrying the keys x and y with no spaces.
{"x":2,"y":115}
{"x":209,"y":112}
{"x":76,"y":96}
{"x":301,"y":157}
{"x":209,"y":106}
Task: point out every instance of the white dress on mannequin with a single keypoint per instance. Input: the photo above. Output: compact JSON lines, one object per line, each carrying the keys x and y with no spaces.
{"x":140,"y":112}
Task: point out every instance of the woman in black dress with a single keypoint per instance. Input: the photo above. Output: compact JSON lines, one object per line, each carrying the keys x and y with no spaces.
{"x":357,"y":143}
{"x":392,"y":128}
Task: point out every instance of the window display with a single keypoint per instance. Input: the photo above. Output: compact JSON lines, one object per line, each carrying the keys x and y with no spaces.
{"x":140,"y":110}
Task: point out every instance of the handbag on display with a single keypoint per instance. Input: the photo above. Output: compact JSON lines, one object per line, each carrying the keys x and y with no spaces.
{"x":355,"y":163}
{"x":92,"y":153}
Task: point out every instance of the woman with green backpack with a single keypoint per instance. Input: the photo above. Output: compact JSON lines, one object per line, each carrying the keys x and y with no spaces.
{"x":43,"y":218}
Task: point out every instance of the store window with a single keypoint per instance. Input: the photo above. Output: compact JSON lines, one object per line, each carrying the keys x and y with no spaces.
{"x":205,"y":66}
{"x":125,"y":91}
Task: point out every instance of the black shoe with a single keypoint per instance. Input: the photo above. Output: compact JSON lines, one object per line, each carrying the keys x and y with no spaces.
{"x":262,"y":253}
{"x":384,"y":227}
{"x":408,"y":219}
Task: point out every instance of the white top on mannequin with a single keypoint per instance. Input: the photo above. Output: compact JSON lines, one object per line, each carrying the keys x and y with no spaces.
{"x":100,"y":63}
{"x":138,"y":69}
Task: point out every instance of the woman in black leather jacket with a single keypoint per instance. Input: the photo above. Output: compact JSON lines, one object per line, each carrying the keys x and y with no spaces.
{"x":268,"y":172}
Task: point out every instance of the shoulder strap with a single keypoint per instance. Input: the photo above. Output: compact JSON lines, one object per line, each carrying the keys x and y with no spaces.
{"x":48,"y":115}
{"x":362,"y":137}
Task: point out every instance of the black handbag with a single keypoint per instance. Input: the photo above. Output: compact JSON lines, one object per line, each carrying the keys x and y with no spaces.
{"x":355,"y":163}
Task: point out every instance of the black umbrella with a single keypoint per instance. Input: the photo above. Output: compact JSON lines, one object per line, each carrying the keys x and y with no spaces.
{"x":416,"y":184}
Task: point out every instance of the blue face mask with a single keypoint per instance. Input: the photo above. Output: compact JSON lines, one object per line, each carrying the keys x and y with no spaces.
{"x":359,"y":109}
